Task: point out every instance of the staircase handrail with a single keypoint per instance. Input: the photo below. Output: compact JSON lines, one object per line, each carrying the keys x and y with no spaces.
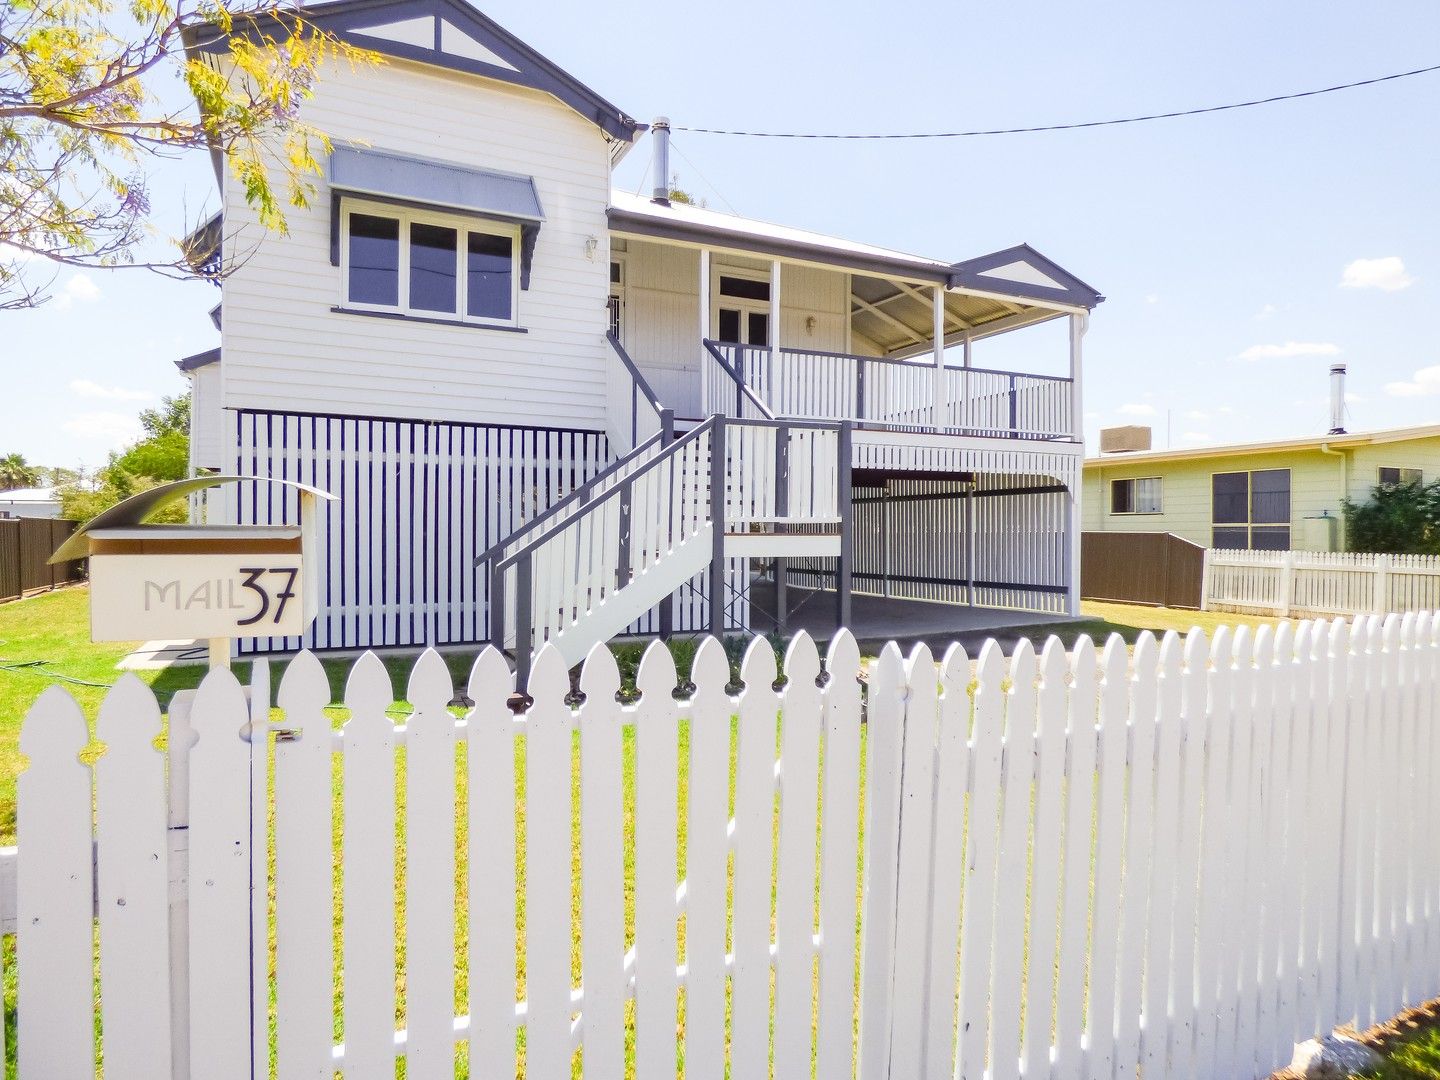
{"x":584,"y":491}
{"x":741,"y":386}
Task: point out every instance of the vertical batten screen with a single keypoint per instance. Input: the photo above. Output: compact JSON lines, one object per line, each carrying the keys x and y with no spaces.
{"x":418,"y":501}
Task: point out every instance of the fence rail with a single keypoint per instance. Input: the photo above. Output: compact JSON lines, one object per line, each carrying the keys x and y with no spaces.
{"x":1171,"y":865}
{"x":1320,"y":583}
{"x":26,"y":545}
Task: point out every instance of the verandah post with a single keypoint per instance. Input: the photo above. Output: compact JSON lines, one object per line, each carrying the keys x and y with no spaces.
{"x":717,"y":526}
{"x":782,"y":509}
{"x":667,"y":606}
{"x":843,"y":565}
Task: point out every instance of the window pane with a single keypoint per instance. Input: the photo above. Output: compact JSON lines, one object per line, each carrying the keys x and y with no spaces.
{"x":1122,"y":496}
{"x":729,"y":325}
{"x":374,"y":260}
{"x":759,"y":325}
{"x":1230,"y":494}
{"x":744,"y":288}
{"x":614,"y":273}
{"x":1270,"y":496}
{"x":1230,"y":538}
{"x":1270,"y":538}
{"x":1389,"y":477}
{"x":432,"y":268}
{"x":489,"y":276}
{"x":1147,"y":495}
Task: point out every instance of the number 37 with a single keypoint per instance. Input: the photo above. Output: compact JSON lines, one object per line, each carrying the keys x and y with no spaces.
{"x":286,"y":592}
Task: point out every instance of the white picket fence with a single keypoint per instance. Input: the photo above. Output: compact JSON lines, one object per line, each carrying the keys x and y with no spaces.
{"x":1287,"y":583}
{"x":1175,"y":864}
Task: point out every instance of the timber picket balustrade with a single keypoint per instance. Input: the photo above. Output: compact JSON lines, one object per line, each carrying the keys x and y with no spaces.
{"x":1174,"y":863}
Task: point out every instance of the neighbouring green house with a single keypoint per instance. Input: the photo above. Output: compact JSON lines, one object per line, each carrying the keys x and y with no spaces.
{"x":1277,"y":495}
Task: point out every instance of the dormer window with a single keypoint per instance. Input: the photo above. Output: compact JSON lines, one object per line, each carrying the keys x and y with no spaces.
{"x":428,"y":264}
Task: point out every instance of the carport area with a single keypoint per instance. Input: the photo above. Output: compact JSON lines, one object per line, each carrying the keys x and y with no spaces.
{"x":878,"y":619}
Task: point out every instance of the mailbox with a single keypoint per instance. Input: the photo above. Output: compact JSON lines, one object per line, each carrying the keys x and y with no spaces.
{"x":215,"y":582}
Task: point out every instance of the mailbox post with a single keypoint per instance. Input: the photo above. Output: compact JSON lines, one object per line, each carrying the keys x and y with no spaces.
{"x":211,"y":582}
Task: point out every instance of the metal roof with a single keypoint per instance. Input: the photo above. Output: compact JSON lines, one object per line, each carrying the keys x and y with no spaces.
{"x":199,"y":360}
{"x":1271,"y":446}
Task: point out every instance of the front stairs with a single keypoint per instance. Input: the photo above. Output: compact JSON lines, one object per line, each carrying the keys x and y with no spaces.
{"x":631,"y":537}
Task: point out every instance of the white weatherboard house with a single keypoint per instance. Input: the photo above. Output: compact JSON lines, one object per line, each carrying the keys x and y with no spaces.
{"x":554,"y":411}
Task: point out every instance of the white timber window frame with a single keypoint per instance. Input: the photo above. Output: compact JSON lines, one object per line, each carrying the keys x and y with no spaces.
{"x":464,"y":225}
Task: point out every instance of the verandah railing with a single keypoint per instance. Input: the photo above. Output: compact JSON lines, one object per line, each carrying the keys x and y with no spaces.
{"x":881,"y":391}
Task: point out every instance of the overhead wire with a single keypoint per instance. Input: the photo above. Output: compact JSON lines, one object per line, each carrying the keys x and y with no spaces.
{"x":1063,"y":127}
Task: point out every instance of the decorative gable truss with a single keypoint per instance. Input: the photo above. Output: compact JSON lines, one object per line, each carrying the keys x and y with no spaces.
{"x":449,"y":34}
{"x":1023,"y":273}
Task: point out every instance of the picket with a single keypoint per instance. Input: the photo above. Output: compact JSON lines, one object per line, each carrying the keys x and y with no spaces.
{"x":656,"y":801}
{"x":548,"y":725}
{"x":368,"y":884}
{"x":1176,"y":864}
{"x":132,"y":884}
{"x":795,"y":885}
{"x":839,"y":850}
{"x":304,"y":960}
{"x":430,"y":870}
{"x":490,"y":926}
{"x":707,"y":857}
{"x":754,"y":817}
{"x":53,"y":893}
{"x":220,"y":858}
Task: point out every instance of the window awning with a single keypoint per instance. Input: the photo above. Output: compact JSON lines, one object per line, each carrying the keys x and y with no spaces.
{"x":410,"y":181}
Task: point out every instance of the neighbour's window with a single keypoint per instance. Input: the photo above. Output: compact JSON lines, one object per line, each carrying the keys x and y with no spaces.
{"x":1251,"y":510}
{"x":1140,"y":495}
{"x":1390,"y":477}
{"x":422,"y":263}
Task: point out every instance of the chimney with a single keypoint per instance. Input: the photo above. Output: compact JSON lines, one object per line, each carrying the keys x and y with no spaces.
{"x":660,"y":131}
{"x":1337,"y":399}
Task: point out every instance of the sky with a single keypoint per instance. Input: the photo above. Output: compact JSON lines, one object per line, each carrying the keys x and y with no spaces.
{"x":1241,"y":253}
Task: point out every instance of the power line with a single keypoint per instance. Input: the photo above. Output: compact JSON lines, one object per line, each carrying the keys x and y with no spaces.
{"x":706,"y":180}
{"x":1063,"y":127}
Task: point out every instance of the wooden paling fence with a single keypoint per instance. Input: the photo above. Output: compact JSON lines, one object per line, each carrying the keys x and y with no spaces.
{"x":26,"y":545}
{"x":1289,"y":583}
{"x":1176,"y":863}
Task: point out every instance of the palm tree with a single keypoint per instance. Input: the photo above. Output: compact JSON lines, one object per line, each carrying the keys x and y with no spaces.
{"x":16,"y":472}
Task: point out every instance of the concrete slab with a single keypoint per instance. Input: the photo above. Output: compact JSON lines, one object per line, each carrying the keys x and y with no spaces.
{"x":153,"y":655}
{"x":876,"y":620}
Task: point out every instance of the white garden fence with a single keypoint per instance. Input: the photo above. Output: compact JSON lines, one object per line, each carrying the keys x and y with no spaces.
{"x":1172,"y":864}
{"x":1289,"y":583}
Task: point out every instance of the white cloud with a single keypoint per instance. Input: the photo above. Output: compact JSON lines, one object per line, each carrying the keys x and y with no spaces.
{"x":1387,"y":273}
{"x":1136,"y":408}
{"x":1290,"y":349}
{"x":1266,"y":311}
{"x":1424,"y":383}
{"x":88,"y":389}
{"x":1196,"y":414}
{"x":78,"y":288}
{"x":111,"y":428}
{"x":1152,"y":298}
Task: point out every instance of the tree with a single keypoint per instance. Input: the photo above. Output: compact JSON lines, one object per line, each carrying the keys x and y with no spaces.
{"x":80,"y":115}
{"x":1398,"y":519}
{"x":163,"y":455}
{"x":16,"y":472}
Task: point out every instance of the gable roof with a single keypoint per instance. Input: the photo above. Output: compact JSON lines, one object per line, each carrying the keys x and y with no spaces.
{"x":1350,"y":440}
{"x":444,"y":33}
{"x":1024,"y":273}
